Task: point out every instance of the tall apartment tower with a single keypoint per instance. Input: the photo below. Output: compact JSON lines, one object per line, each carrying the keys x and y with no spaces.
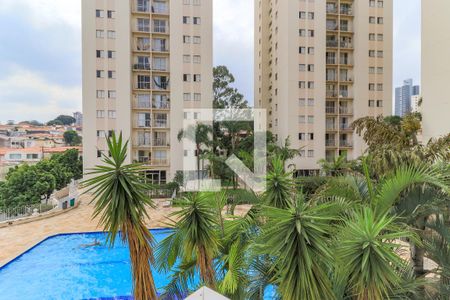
{"x":144,"y":62}
{"x":435,"y":68}
{"x":403,"y":97}
{"x":320,"y":65}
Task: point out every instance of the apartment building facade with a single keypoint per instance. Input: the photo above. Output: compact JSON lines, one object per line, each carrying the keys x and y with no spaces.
{"x":320,"y":65}
{"x":403,"y":97}
{"x":435,"y":107}
{"x":144,"y":62}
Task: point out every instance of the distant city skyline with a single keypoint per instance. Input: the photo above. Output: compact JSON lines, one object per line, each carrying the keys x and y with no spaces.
{"x":41,"y":71}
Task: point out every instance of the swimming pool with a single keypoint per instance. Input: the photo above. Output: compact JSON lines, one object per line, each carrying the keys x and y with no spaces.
{"x":58,"y":268}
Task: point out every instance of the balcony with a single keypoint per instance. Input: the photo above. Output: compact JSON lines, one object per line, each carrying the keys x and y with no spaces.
{"x":142,"y":67}
{"x":346,"y":61}
{"x":331,"y":60}
{"x":161,"y":105}
{"x":161,"y":8}
{"x":332,"y":44}
{"x":332,"y":27}
{"x":330,"y":143}
{"x":346,"y":45}
{"x":332,"y":10}
{"x":345,"y":144}
{"x":332,"y":94}
{"x":161,"y":142}
{"x":331,"y":78}
{"x":144,"y":123}
{"x":344,"y":94}
{"x":345,"y":110}
{"x":330,"y":126}
{"x":143,"y":144}
{"x":346,"y":11}
{"x":330,"y":110}
{"x":149,"y":86}
{"x":161,"y":124}
{"x":345,"y":127}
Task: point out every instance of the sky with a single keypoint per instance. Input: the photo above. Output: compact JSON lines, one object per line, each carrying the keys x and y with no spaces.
{"x":40,"y":52}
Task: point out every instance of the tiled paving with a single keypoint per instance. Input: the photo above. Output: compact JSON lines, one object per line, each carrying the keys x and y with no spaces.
{"x":16,"y":239}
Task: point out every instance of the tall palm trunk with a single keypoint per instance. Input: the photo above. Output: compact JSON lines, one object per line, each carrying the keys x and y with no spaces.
{"x":141,"y":256}
{"x":207,"y":273}
{"x":418,"y":252}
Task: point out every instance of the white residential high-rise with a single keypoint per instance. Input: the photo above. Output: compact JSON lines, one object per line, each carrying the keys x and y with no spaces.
{"x":435,"y":68}
{"x":144,"y":61}
{"x":320,"y":65}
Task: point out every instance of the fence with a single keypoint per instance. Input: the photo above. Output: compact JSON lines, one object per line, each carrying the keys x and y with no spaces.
{"x":24,"y":211}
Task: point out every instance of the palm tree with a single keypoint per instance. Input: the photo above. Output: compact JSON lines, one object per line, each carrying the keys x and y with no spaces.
{"x":121,"y":202}
{"x":279,"y":186}
{"x":194,"y":242}
{"x":339,"y":166}
{"x":298,"y":239}
{"x":284,"y":152}
{"x":200,"y":134}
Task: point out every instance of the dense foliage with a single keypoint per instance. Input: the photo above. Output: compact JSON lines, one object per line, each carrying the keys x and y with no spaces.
{"x":72,"y":138}
{"x":29,"y":184}
{"x":62,"y":120}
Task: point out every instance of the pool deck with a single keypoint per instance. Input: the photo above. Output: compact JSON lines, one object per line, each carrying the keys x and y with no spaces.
{"x":16,"y":239}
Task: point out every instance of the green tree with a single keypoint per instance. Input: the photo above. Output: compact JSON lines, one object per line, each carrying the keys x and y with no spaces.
{"x":200,"y":134}
{"x":72,"y":138}
{"x":121,"y":200}
{"x":62,"y":120}
{"x":226,"y":96}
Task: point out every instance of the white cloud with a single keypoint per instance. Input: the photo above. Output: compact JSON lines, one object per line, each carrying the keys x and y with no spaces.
{"x":29,"y":96}
{"x":47,"y":13}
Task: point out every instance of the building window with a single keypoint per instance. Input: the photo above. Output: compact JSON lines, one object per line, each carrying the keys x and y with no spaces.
{"x":302,"y":50}
{"x":311,"y":136}
{"x":379,"y":103}
{"x":311,"y":15}
{"x":197,"y":21}
{"x":302,"y":84}
{"x":112,"y":54}
{"x":186,"y":77}
{"x":111,"y":34}
{"x":100,"y":53}
{"x":310,"y":101}
{"x":380,"y":20}
{"x":371,"y":36}
{"x":372,"y":20}
{"x":371,"y":53}
{"x":380,"y":54}
{"x":302,"y":15}
{"x":99,"y":153}
{"x":100,"y":94}
{"x":197,"y":40}
{"x":301,"y":119}
{"x":186,"y":39}
{"x":310,"y":50}
{"x":111,"y":14}
{"x":310,"y":68}
{"x":310,"y":153}
{"x":197,"y":59}
{"x":302,"y":32}
{"x":99,"y":13}
{"x":100,"y":34}
{"x":311,"y":33}
{"x":372,"y":3}
{"x":112,"y":94}
{"x":112,"y":74}
{"x":371,"y":103}
{"x":187,"y":97}
{"x":197,"y":97}
{"x":197,"y":78}
{"x":111,"y":114}
{"x":302,"y":67}
{"x":301,"y":102}
{"x":380,"y":87}
{"x":310,"y":84}
{"x":380,"y":70}
{"x":143,"y":25}
{"x":186,"y":20}
{"x":310,"y":119}
{"x":100,"y":114}
{"x":371,"y":70}
{"x":302,"y":136}
{"x":371,"y":87}
{"x":380,"y":3}
{"x":380,"y":37}
{"x":186,"y":58}
{"x":100,"y":74}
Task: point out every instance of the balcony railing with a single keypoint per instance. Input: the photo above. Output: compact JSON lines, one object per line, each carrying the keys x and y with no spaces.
{"x":157,"y":8}
{"x":331,"y":78}
{"x":345,"y":110}
{"x":346,"y":45}
{"x":153,"y":162}
{"x":160,"y":142}
{"x":330,"y":143}
{"x":330,"y":110}
{"x":332,"y":10}
{"x":344,"y":61}
{"x":332,"y":27}
{"x":331,"y":60}
{"x":346,"y":11}
{"x":142,"y":67}
{"x":144,"y":123}
{"x":161,"y":124}
{"x":345,"y":127}
{"x":162,"y":105}
{"x":332,"y":94}
{"x":330,"y":126}
{"x":332,"y":44}
{"x":345,"y":143}
{"x":143,"y":144}
{"x":154,"y":86}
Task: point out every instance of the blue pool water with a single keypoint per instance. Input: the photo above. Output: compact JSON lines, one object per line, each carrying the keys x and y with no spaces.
{"x":59,"y":268}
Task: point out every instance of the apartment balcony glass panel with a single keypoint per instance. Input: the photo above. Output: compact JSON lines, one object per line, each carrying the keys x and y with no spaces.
{"x":143,"y":5}
{"x":160,"y":7}
{"x":143,"y":101}
{"x":160,"y":26}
